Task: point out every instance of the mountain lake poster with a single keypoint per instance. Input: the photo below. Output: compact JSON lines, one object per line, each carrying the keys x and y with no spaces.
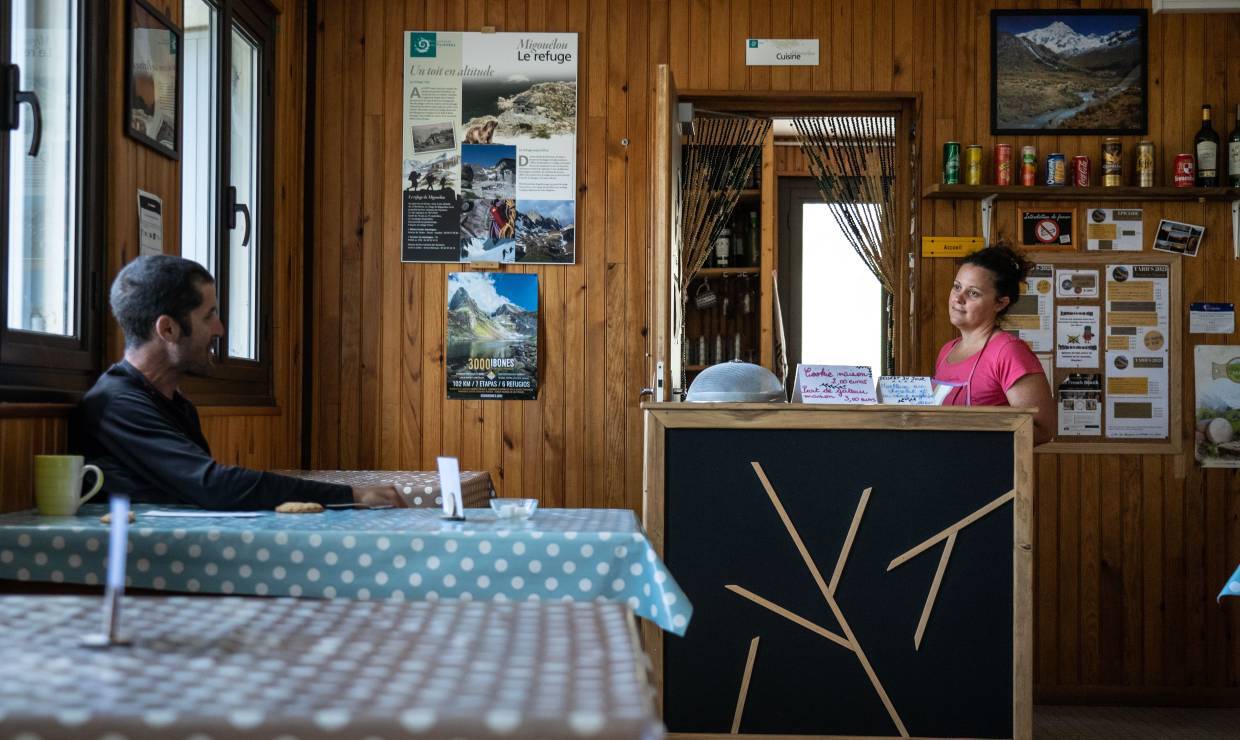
{"x":489,"y":147}
{"x":492,"y":335}
{"x":1068,"y":72}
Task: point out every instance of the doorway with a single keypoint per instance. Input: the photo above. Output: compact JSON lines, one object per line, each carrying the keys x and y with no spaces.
{"x":834,"y":309}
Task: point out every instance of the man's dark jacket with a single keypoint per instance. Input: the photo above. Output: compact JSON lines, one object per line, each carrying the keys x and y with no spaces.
{"x":152,"y":448}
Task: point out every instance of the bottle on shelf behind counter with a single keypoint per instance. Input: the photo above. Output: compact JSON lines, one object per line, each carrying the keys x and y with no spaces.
{"x":1233,"y":153}
{"x":1205,"y":146}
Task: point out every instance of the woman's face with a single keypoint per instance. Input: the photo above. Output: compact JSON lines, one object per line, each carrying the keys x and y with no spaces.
{"x":973,"y":302}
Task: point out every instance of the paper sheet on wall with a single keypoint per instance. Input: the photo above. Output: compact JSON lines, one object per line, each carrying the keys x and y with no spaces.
{"x":1030,"y":315}
{"x":1076,"y":283}
{"x":1077,"y":335}
{"x":1080,"y":405}
{"x":1114,"y":229}
{"x":1138,"y":351}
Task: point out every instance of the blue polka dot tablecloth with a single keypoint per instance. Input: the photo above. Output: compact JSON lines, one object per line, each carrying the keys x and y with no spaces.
{"x":564,"y":554}
{"x":1232,"y":587}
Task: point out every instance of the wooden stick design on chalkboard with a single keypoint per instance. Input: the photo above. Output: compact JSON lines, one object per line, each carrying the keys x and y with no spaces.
{"x":828,"y":592}
{"x":949,"y":535}
{"x":740,"y":699}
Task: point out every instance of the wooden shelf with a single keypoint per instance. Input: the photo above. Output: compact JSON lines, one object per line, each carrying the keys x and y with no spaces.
{"x":751,"y":193}
{"x":720,"y":271}
{"x":695,"y":368}
{"x":1096,"y":193}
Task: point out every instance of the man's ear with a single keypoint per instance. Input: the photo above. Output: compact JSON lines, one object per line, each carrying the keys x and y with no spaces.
{"x":167,"y":329}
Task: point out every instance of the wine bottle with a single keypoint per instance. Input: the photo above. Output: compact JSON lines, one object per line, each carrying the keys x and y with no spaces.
{"x":1205,"y":144}
{"x":1233,"y":153}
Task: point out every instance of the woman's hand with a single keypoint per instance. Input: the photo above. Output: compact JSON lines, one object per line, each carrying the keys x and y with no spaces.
{"x":1033,"y":391}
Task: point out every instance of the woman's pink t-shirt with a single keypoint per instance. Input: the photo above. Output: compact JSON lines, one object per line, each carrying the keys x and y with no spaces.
{"x":1003,"y":361}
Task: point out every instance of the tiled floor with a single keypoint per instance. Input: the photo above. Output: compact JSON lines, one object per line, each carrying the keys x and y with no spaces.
{"x":1134,"y":723}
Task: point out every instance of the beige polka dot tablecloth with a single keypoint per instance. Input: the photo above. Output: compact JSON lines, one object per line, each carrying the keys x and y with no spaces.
{"x":423,"y":485}
{"x":218,"y":667}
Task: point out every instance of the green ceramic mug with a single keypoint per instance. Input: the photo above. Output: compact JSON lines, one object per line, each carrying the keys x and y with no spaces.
{"x":58,"y":483}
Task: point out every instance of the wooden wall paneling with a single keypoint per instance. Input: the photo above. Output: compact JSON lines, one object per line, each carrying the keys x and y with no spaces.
{"x":616,"y":264}
{"x":351,"y":290}
{"x":327,"y":323}
{"x":1067,"y":558}
{"x":1090,"y":542}
{"x":44,"y":432}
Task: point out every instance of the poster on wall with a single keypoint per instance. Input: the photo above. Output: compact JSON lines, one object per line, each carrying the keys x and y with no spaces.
{"x":492,"y":335}
{"x":489,"y":148}
{"x":1216,"y":377}
{"x":1138,"y":353}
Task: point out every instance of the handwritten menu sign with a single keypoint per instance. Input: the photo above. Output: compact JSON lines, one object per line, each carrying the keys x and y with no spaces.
{"x":849,"y":384}
{"x":911,"y":390}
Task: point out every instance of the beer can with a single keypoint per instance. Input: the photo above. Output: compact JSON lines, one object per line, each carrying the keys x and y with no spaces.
{"x":951,"y":163}
{"x":1056,"y":169}
{"x":1080,"y":171}
{"x":1145,"y":164}
{"x":1112,"y":163}
{"x":973,"y":165}
{"x":1185,"y":170}
{"x":1003,"y":164}
{"x":1028,"y":165}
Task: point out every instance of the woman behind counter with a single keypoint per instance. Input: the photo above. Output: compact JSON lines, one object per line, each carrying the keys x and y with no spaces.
{"x":989,"y":366}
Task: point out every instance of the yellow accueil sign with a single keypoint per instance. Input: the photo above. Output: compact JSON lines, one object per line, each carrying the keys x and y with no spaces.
{"x":950,"y":246}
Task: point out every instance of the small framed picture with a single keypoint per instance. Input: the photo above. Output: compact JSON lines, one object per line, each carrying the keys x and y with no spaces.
{"x":153,"y":79}
{"x":1061,"y":72}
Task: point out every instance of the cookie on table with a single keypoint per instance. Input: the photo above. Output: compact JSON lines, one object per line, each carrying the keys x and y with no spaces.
{"x":299,"y":507}
{"x":107,"y":518}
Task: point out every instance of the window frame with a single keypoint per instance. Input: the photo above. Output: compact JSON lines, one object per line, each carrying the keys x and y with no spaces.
{"x":38,"y":367}
{"x":239,"y":381}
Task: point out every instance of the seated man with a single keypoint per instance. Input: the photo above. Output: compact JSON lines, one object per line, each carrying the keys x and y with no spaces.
{"x":145,"y":436}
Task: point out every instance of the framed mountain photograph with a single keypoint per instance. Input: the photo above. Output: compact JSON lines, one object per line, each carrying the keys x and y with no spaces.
{"x":1068,"y":72}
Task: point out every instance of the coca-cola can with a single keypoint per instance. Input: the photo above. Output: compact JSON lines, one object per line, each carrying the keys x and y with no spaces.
{"x":1185,"y":170}
{"x":1080,"y":171}
{"x":1003,"y":164}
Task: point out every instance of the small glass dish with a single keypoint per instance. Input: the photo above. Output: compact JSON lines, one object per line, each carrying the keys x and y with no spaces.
{"x":514,"y":508}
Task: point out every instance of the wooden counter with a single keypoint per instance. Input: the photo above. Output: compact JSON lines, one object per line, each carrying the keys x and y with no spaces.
{"x":855,"y":571}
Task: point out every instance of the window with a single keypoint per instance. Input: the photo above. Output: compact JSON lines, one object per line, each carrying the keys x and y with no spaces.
{"x":51,"y":177}
{"x":835,"y":306}
{"x":226,"y":184}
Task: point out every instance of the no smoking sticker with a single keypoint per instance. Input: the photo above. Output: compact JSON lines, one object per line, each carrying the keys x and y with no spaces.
{"x":1046,"y":229}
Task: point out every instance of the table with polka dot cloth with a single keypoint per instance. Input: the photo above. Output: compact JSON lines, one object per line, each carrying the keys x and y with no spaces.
{"x":423,"y":485}
{"x":558,"y":554}
{"x":1232,"y":587}
{"x":222,"y":668}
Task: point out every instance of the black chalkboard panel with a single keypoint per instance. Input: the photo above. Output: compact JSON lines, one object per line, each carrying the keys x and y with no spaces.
{"x":721,"y":528}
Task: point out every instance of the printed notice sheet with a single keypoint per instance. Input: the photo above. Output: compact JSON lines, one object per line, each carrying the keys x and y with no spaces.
{"x":1137,"y":352}
{"x":1076,"y":283}
{"x":1080,"y":405}
{"x":1211,"y":318}
{"x":1030,"y":316}
{"x":1114,"y":229}
{"x":1077,"y":335}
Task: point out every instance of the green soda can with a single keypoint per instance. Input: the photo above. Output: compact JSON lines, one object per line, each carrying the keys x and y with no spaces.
{"x":951,"y":163}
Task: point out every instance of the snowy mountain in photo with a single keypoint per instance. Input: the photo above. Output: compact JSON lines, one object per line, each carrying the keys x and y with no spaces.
{"x":1061,"y":39}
